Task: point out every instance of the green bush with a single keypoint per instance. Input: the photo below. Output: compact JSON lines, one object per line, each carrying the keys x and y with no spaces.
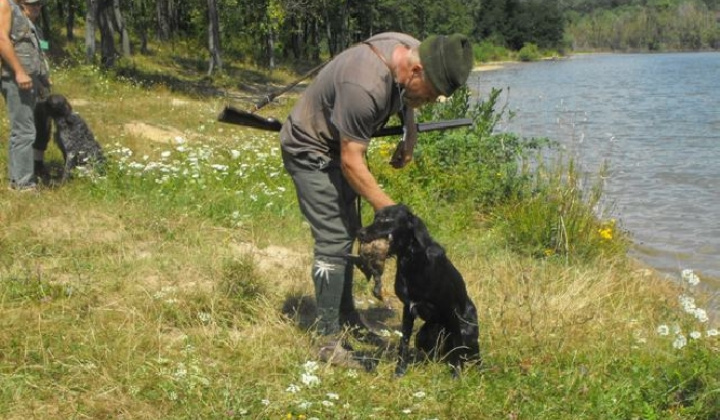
{"x":529,"y":52}
{"x":485,"y":51}
{"x":556,"y":219}
{"x":474,"y":165}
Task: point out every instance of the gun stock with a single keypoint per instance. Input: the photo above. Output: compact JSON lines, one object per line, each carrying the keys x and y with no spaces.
{"x":232,"y":115}
{"x":236,"y":116}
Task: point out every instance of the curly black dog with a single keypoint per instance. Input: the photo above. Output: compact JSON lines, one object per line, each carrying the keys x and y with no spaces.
{"x":430,"y":287}
{"x":73,"y":136}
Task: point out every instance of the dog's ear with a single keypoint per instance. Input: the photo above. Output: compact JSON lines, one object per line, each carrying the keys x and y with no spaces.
{"x":420,"y":232}
{"x":432,"y":250}
{"x":469,"y":321}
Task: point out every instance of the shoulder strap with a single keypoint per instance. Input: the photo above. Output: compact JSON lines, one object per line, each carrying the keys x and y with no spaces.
{"x":380,"y":56}
{"x":404,"y":150}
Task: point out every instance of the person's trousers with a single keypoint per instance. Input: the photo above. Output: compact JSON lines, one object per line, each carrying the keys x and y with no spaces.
{"x":329,"y":204}
{"x":21,"y":108}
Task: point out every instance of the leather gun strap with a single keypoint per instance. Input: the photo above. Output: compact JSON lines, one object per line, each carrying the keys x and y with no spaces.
{"x":404,"y":150}
{"x":381,"y":57}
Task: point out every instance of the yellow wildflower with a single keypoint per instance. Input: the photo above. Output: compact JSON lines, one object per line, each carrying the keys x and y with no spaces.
{"x":606,"y":233}
{"x":386,"y":150}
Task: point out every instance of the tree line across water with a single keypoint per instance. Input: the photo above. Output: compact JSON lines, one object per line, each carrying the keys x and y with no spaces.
{"x":267,"y":32}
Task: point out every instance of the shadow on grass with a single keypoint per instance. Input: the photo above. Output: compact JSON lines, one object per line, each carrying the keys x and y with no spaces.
{"x":189,"y":78}
{"x":301,"y":309}
{"x":202,"y":87}
{"x":368,"y":349}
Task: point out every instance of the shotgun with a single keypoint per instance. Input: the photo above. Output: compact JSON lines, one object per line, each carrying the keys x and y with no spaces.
{"x":237,"y":116}
{"x":272,"y":95}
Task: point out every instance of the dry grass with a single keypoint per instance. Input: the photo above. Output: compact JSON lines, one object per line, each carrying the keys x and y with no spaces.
{"x":122,"y":298}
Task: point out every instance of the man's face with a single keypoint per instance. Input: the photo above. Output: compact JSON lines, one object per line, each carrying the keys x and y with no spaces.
{"x":419,"y":91}
{"x":32,"y":11}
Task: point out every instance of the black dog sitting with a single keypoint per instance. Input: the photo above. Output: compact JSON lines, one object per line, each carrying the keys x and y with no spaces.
{"x":430,"y":287}
{"x":73,"y":136}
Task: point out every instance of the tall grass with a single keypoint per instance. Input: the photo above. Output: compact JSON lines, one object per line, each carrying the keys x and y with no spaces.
{"x":176,"y":285}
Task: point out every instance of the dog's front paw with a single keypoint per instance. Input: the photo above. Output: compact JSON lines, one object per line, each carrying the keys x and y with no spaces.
{"x":377,"y":289}
{"x":400,"y":370}
{"x":456,"y":371}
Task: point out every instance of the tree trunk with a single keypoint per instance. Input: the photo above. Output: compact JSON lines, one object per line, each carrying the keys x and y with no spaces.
{"x":107,"y":32}
{"x":315,"y":36}
{"x":271,"y":49}
{"x":163,"y":20}
{"x":335,"y":26}
{"x":70,"y":20}
{"x":214,"y":37}
{"x":119,"y":23}
{"x":90,"y":24}
{"x":140,"y":25}
{"x":45,"y":21}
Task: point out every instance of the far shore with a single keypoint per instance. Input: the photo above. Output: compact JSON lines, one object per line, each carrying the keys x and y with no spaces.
{"x":490,"y":66}
{"x":496,"y":65}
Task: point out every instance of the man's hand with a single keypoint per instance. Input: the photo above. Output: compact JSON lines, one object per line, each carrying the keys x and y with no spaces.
{"x":403,"y":153}
{"x":23,"y":81}
{"x":400,"y":156}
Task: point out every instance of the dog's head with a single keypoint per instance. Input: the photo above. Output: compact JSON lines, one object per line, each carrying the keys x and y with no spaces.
{"x":405,"y":231}
{"x":58,"y":106}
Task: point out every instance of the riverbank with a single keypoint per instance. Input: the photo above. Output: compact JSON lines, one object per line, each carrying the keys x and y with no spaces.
{"x":625,"y":128}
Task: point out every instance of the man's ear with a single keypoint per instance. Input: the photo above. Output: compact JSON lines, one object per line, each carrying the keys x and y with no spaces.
{"x":417,"y":69}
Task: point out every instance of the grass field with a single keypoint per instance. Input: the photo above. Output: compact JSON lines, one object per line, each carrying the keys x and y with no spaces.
{"x":176,"y":286}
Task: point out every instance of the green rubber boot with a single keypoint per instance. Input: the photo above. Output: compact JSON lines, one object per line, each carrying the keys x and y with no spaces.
{"x":328,"y":276}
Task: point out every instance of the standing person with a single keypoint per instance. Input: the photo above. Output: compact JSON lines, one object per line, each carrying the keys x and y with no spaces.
{"x":324,"y":141}
{"x":24,"y":81}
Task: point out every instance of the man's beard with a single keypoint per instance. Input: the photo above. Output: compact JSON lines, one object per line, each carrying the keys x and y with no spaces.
{"x":411,"y":100}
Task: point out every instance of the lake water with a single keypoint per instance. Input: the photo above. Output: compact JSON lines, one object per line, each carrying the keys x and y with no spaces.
{"x":655,"y":120}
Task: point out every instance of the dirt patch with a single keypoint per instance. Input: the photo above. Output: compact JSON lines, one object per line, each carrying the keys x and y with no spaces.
{"x":154,"y":133}
{"x":78,"y":103}
{"x":273,"y":258}
{"x":91,"y":226}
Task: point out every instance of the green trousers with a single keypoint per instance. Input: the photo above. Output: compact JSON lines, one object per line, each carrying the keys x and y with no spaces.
{"x":330,"y":206}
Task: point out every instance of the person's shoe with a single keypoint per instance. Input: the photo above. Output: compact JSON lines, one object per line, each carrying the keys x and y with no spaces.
{"x":335,"y":353}
{"x":31,"y":188}
{"x":353,"y":320}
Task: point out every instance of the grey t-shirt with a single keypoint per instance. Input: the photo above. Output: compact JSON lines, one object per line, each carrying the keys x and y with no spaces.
{"x":352,"y":97}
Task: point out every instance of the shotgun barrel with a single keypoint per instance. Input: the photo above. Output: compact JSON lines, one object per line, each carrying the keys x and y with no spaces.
{"x":396,"y":130}
{"x":232,"y":115}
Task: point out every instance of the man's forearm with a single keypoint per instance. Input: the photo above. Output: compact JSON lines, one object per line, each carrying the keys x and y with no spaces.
{"x":359,"y":177}
{"x":366,"y":185}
